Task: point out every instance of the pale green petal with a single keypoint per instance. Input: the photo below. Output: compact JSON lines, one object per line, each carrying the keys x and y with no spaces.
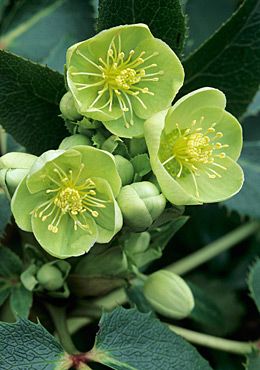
{"x":44,"y":166}
{"x":99,"y":163}
{"x":67,"y":242}
{"x":117,"y":127}
{"x":232,"y":131}
{"x":192,"y":106}
{"x":93,"y":49}
{"x":109,"y":220}
{"x":217,"y":189}
{"x":170,"y":188}
{"x":169,"y":82}
{"x":22,"y":204}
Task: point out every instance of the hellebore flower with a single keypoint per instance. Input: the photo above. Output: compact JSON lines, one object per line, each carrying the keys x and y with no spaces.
{"x":68,"y":200}
{"x":194,"y":147}
{"x":123,"y":76}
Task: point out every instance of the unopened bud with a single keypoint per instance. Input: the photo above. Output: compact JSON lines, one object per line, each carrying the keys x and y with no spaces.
{"x":141,"y":203}
{"x":125,"y":169}
{"x":50,"y":277}
{"x":68,"y":108}
{"x":169,"y":294}
{"x":74,"y":140}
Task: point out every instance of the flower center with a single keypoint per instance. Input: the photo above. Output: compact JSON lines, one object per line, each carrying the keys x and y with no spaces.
{"x":193,"y":151}
{"x":69,"y":195}
{"x":118,"y":76}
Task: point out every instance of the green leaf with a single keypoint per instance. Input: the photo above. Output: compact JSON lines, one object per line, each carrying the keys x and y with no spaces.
{"x":254,"y":108}
{"x":230,"y":59}
{"x":43,"y":30}
{"x":25,"y":345}
{"x":10,"y":265}
{"x":29,"y":98}
{"x":205,"y":311}
{"x":165,"y":18}
{"x":21,"y":301}
{"x":141,"y":163}
{"x":132,"y":340}
{"x":253,"y":362}
{"x":5,"y":213}
{"x":245,"y":201}
{"x":254,"y":283}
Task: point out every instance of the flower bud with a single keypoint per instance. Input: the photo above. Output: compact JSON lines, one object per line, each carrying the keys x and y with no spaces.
{"x":50,"y":277}
{"x":169,"y":294}
{"x":68,"y":108}
{"x":125,"y":169}
{"x":13,"y":168}
{"x":74,"y":140}
{"x":140,"y":203}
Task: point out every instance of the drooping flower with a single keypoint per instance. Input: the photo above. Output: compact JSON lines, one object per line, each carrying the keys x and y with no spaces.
{"x":194,"y":147}
{"x":123,"y":76}
{"x":68,"y":200}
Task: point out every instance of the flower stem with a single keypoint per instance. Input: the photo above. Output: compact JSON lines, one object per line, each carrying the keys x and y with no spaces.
{"x":213,"y":249}
{"x":59,"y":318}
{"x":210,"y":341}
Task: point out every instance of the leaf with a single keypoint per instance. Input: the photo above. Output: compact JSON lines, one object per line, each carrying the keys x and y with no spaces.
{"x":21,"y":301}
{"x":230,"y":59}
{"x":141,"y":164}
{"x":253,"y":362}
{"x":245,"y":201}
{"x":10,"y":265}
{"x":254,"y":108}
{"x":5,"y":213}
{"x":165,"y":18}
{"x":25,"y":345}
{"x":29,"y":98}
{"x":254,"y":283}
{"x":43,"y":30}
{"x":128,"y":339}
{"x":205,"y":310}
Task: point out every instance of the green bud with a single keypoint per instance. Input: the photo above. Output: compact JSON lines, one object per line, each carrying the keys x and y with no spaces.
{"x":125,"y":169}
{"x":140,"y":203}
{"x":50,"y":277}
{"x":68,"y":108}
{"x":13,"y":168}
{"x":137,"y":146}
{"x":169,"y":294}
{"x":71,"y":141}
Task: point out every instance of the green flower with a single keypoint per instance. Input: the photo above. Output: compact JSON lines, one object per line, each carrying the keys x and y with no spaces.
{"x":194,"y":147}
{"x":123,"y":76}
{"x":68,"y":200}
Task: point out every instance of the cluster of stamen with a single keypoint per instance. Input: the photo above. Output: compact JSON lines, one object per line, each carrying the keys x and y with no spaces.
{"x":118,"y":77}
{"x":69,"y":195}
{"x":195,"y":150}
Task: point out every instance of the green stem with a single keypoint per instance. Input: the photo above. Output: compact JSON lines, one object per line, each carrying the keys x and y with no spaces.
{"x":59,"y":318}
{"x":210,"y":341}
{"x":213,"y":249}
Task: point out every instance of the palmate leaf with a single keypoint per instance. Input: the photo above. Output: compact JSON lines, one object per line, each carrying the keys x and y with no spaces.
{"x":230,"y":59}
{"x":254,"y":283}
{"x":164,"y":17}
{"x":130,"y":340}
{"x":29,"y":103}
{"x":25,"y":345}
{"x":245,"y":202}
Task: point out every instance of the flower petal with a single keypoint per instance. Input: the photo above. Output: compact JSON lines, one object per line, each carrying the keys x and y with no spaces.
{"x":117,"y":127}
{"x":67,"y":242}
{"x":169,"y":82}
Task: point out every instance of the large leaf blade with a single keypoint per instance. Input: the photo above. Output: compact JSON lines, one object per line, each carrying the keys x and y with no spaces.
{"x":165,"y":18}
{"x":230,"y":59}
{"x":29,"y":103}
{"x":132,"y":340}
